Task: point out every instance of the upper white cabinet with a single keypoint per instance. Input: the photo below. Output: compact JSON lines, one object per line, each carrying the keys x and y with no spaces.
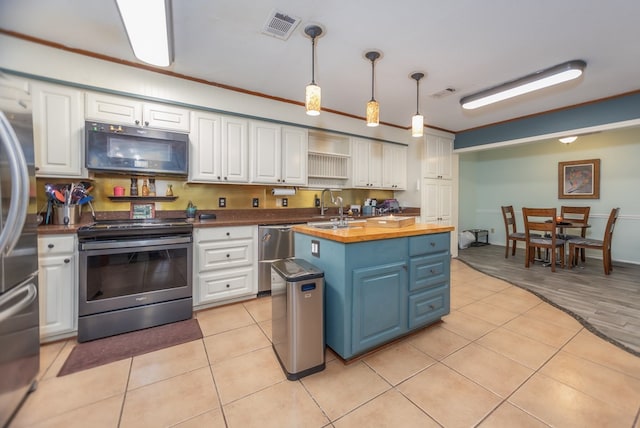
{"x":58,"y":130}
{"x":438,"y":157}
{"x":114,"y":109}
{"x":278,"y":154}
{"x":394,"y":168}
{"x":366,"y":159}
{"x":219,"y":149}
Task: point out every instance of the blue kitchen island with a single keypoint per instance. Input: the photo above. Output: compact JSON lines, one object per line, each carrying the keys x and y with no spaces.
{"x":380,"y":283}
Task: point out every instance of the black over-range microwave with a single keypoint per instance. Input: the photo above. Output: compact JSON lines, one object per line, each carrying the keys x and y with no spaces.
{"x":134,"y":149}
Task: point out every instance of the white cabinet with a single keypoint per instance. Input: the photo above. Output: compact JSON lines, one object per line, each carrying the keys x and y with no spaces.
{"x":58,"y":285}
{"x":438,"y":157}
{"x":219,"y":149}
{"x":394,"y":168}
{"x":278,"y":154}
{"x":366,"y":159}
{"x":58,"y":131}
{"x":225,"y":264}
{"x":437,"y":199}
{"x":114,"y":109}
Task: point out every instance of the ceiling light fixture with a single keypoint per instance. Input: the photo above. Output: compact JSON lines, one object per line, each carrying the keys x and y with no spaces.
{"x":568,"y":140}
{"x":149,"y":28}
{"x":541,"y":79}
{"x":417,"y":121}
{"x":373,"y":107}
{"x":313,"y":96}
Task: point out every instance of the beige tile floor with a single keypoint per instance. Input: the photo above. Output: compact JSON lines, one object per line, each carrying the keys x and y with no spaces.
{"x":502,"y":358}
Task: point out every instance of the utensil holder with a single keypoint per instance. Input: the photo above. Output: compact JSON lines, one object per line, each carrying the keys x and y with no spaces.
{"x":66,"y":214}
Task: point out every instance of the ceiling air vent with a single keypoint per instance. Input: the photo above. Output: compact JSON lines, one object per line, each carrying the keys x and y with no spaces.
{"x":443,"y":93}
{"x":280,"y":25}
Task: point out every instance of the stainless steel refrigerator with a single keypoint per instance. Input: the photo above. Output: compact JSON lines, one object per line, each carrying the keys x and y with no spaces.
{"x":19,"y":318}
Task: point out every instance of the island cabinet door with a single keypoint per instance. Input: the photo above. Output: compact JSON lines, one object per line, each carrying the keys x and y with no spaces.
{"x":379,"y":305}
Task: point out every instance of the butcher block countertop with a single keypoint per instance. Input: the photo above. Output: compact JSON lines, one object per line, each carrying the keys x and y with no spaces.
{"x":362,"y":234}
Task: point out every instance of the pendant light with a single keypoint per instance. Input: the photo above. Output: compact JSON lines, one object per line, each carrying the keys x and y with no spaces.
{"x":313,"y":96}
{"x":373,"y":108}
{"x":417,"y":121}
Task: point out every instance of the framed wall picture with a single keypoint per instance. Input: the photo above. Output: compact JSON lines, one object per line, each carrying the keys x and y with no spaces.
{"x":579,"y":179}
{"x":142,"y":211}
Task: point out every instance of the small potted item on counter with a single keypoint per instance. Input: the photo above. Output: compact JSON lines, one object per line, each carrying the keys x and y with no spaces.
{"x":191,"y":211}
{"x":152,"y":187}
{"x":134,"y":187}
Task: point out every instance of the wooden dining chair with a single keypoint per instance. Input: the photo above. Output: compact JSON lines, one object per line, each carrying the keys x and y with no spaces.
{"x":576,"y":215}
{"x":595,"y":244}
{"x":542,"y":220}
{"x":510,"y":230}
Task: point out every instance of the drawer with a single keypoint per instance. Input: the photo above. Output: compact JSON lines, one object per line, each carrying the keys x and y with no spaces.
{"x":428,"y":271}
{"x":428,"y":306}
{"x":425,"y":244}
{"x":223,"y":255}
{"x":224,"y":233}
{"x":225,"y":284}
{"x":56,"y":244}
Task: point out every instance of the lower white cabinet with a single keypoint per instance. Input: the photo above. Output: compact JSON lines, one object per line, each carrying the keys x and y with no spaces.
{"x":58,"y":285}
{"x":225,"y":264}
{"x":437,"y":199}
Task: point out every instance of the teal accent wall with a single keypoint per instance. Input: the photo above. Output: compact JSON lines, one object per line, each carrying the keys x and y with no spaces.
{"x":527,"y":175}
{"x":601,"y":113}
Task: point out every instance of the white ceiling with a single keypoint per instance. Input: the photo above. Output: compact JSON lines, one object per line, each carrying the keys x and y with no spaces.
{"x":467,"y":45}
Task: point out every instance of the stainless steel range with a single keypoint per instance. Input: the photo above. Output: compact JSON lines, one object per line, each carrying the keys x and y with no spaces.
{"x":134,"y":274}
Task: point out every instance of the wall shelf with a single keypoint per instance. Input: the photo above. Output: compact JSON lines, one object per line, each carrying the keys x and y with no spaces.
{"x":143,"y":198}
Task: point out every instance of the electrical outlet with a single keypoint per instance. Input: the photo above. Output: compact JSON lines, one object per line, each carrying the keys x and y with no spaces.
{"x":222,"y":202}
{"x":255,"y":203}
{"x":285,"y":202}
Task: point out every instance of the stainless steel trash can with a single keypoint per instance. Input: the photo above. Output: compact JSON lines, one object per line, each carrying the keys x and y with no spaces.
{"x":297,"y":302}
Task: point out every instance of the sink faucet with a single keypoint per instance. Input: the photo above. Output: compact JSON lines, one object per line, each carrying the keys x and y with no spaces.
{"x":338,"y":201}
{"x":324,"y":209}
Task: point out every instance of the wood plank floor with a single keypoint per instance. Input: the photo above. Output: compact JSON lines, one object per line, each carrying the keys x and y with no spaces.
{"x":608,"y":305}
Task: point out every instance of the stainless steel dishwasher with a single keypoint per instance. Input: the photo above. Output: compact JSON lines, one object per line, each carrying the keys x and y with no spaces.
{"x":276,"y":243}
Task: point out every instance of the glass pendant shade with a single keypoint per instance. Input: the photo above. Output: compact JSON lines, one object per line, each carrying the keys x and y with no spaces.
{"x":417,"y":125}
{"x":313,"y":99}
{"x":312,"y":93}
{"x":373,"y":113}
{"x":417,"y":120}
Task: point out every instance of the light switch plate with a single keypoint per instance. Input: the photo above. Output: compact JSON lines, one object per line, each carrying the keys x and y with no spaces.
{"x":255,"y":202}
{"x":315,"y":248}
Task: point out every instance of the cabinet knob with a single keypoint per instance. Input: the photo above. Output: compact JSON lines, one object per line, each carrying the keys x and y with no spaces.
{"x":67,"y":260}
{"x":137,"y":122}
{"x":433,"y":271}
{"x":228,"y":285}
{"x":225,"y":178}
{"x":228,"y":255}
{"x":146,"y":123}
{"x":431,"y":307}
{"x":50,"y":245}
{"x":228,"y":234}
{"x":219,"y":177}
{"x":433,"y":244}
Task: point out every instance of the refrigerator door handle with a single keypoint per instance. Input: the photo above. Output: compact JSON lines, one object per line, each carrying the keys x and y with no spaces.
{"x":17,"y":212}
{"x":31,"y":293}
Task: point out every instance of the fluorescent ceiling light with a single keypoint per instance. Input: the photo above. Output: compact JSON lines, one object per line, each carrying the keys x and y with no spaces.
{"x":541,"y":79}
{"x":148,"y":25}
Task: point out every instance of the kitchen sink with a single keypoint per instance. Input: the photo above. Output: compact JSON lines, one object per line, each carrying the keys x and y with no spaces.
{"x":350,"y":223}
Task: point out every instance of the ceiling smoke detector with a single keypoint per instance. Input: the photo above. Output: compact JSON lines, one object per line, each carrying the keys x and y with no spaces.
{"x":443,"y":93}
{"x":280,"y":25}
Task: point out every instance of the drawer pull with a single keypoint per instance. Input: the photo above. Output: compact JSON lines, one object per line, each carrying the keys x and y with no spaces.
{"x":433,"y":244}
{"x":228,"y":255}
{"x":433,"y":271}
{"x":50,"y":245}
{"x":228,"y":285}
{"x":67,"y":260}
{"x":228,"y":234}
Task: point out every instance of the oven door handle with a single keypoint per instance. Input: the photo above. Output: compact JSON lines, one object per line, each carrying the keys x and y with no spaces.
{"x":105,"y":245}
